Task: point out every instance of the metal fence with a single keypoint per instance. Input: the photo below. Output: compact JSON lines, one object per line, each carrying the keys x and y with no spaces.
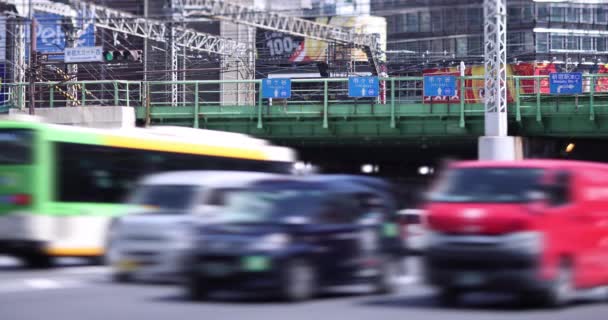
{"x":523,"y":91}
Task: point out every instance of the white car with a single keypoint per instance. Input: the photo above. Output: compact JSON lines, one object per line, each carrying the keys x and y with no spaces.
{"x":415,"y":230}
{"x":150,"y":244}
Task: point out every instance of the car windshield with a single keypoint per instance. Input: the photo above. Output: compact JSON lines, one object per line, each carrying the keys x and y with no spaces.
{"x":263,"y":206}
{"x":16,"y":145}
{"x":487,"y":185}
{"x":175,"y":197}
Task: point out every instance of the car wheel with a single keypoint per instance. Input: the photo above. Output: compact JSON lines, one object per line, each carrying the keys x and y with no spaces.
{"x":38,"y":261}
{"x":561,"y":289}
{"x":122,"y":277}
{"x":299,"y":281}
{"x":448,"y":297}
{"x":386,"y":281}
{"x":196,"y":290}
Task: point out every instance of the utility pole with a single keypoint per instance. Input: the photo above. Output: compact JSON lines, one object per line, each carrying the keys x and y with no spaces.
{"x":145,"y":60}
{"x":496,"y":144}
{"x":33,"y":63}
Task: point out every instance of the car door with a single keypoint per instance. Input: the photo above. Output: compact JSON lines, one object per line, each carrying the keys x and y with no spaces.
{"x":570,"y":229}
{"x":338,"y":233}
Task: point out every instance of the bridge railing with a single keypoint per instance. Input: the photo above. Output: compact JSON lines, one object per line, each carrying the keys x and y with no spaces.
{"x":308,"y":95}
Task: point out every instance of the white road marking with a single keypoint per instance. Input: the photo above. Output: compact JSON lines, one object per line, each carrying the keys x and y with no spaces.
{"x":39,"y":284}
{"x":85,"y":270}
{"x":42,"y":283}
{"x":6,"y":261}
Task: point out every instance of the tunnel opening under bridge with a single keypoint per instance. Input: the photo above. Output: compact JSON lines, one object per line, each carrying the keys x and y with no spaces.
{"x":413,"y":166}
{"x":410,"y":166}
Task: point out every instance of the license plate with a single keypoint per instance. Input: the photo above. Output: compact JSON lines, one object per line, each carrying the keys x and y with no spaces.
{"x":127,"y":265}
{"x":470,"y":279}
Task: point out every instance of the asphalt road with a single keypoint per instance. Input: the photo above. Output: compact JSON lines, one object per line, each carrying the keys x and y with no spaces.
{"x":75,"y":291}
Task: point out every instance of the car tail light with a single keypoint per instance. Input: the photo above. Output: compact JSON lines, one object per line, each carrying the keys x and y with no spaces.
{"x":21,"y":199}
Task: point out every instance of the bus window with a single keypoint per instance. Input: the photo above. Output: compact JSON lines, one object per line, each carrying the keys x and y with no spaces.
{"x":16,"y":146}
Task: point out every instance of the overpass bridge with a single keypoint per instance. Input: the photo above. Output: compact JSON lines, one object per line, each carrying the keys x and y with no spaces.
{"x":395,"y":135}
{"x":320,"y":111}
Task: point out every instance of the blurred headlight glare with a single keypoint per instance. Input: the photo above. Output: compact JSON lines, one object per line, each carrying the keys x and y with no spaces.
{"x":272,"y":242}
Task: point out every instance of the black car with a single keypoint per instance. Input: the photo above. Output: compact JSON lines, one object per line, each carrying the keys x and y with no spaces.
{"x":295,"y":237}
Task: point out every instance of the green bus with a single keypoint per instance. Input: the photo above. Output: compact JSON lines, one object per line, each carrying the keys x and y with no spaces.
{"x":60,"y":186}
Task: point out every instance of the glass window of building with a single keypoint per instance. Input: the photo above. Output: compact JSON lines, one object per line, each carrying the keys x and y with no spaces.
{"x":515,"y":42}
{"x":557,"y":42}
{"x":557,"y":14}
{"x":460,"y":20}
{"x":391,"y":24}
{"x":601,"y":15}
{"x":513,"y":15}
{"x":601,"y":44}
{"x":425,"y":21}
{"x":475,"y":45}
{"x":412,"y":24}
{"x":403,"y":19}
{"x":571,"y":14}
{"x":475,"y":19}
{"x":542,"y":42}
{"x":587,"y":43}
{"x":586,"y":15}
{"x":437,"y":45}
{"x":542,"y":12}
{"x":528,"y":41}
{"x":449,"y":21}
{"x":572,"y":42}
{"x":424,"y":46}
{"x":437,"y":24}
{"x":461,"y":46}
{"x":449,"y":45}
{"x":527,"y":14}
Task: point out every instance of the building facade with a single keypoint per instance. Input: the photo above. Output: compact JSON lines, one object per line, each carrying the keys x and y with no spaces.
{"x":441,"y":33}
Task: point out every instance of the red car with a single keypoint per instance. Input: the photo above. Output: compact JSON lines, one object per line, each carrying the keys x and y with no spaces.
{"x":538,"y":228}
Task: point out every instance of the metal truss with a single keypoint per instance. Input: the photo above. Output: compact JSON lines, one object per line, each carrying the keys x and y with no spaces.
{"x":134,"y":25}
{"x":495,"y":49}
{"x":159,"y":31}
{"x":242,"y":14}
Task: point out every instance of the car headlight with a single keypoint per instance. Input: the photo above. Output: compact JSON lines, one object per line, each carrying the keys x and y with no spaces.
{"x":271,"y":242}
{"x":529,"y":242}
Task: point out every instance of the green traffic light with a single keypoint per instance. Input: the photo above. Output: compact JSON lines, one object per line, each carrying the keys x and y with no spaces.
{"x":109,"y":56}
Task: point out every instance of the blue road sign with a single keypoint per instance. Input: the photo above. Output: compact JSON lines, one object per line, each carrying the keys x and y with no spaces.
{"x":359,"y":87}
{"x":440,"y":86}
{"x":276,"y":88}
{"x":566,"y":83}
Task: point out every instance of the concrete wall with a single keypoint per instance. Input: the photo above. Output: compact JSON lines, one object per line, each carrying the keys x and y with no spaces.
{"x":94,"y":117}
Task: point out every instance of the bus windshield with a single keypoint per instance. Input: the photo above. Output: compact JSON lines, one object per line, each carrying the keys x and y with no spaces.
{"x":487,"y":185}
{"x":173,"y":197}
{"x":15,"y":146}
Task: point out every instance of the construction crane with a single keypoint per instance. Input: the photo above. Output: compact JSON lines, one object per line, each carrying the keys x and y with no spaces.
{"x":242,"y":14}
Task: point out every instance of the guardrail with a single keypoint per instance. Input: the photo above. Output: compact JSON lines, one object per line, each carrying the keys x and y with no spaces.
{"x":525,"y":93}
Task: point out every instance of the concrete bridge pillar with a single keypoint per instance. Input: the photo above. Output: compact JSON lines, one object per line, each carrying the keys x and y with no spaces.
{"x":501,"y":148}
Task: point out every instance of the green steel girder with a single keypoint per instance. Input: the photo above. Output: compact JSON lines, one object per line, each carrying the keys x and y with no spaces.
{"x":375,"y":122}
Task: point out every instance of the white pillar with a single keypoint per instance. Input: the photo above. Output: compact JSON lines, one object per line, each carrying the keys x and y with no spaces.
{"x":495,"y":144}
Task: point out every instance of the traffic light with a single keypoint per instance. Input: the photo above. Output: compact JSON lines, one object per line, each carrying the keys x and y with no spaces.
{"x":122,"y":56}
